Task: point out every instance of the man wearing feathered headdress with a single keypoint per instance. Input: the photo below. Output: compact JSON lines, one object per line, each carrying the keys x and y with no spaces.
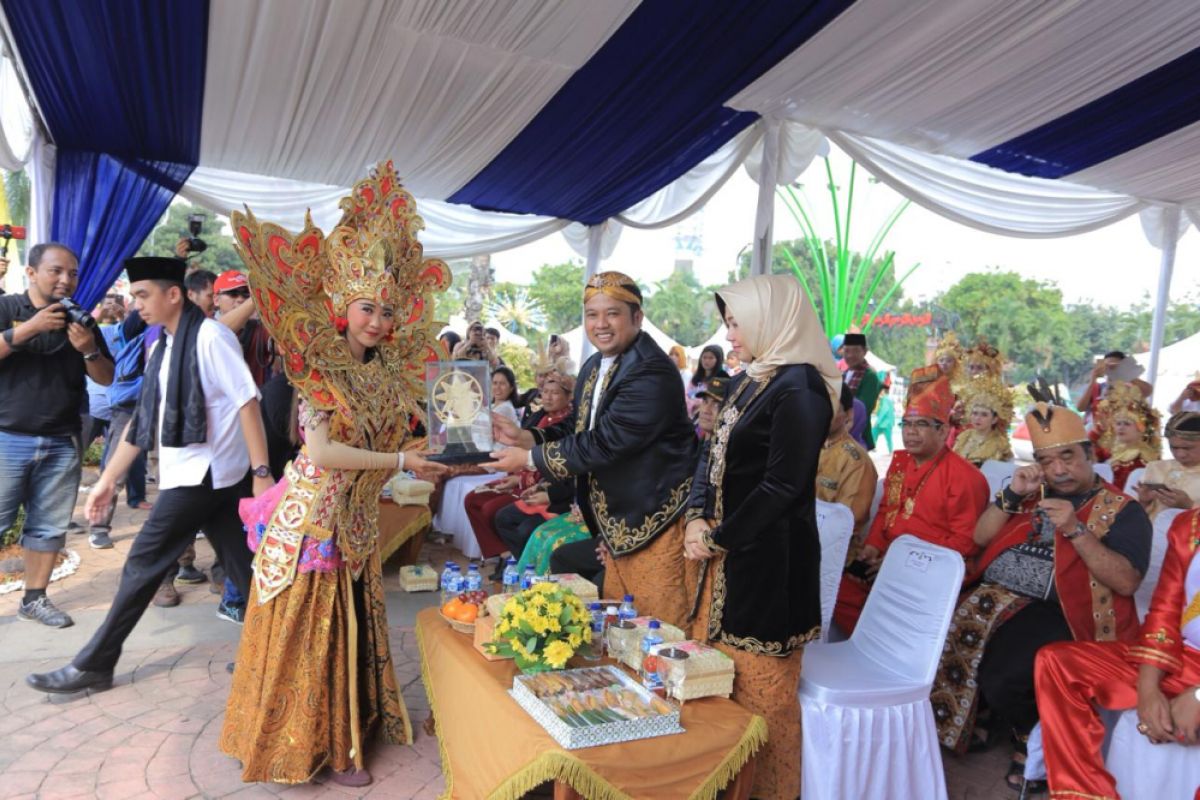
{"x":929,"y":491}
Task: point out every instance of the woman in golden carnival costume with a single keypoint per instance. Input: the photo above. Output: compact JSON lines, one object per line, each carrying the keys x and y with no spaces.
{"x":751,"y":513}
{"x":351,"y":314}
{"x":989,"y":411}
{"x":1131,"y":430}
{"x":949,"y":357}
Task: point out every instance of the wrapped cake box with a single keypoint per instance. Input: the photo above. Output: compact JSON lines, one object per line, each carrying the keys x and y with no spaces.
{"x":419,"y":578}
{"x":708,"y":671}
{"x":594,"y":706}
{"x":631,"y":654}
{"x":584,"y":589}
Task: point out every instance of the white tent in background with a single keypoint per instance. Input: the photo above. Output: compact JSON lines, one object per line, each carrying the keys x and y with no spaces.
{"x":575,"y":338}
{"x":1178,"y":365}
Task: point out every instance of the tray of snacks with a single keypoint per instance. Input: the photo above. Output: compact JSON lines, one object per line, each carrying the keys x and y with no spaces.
{"x":462,"y":611}
{"x":594,"y":706}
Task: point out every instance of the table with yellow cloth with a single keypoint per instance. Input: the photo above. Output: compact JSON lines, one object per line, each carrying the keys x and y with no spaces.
{"x":402,"y":526}
{"x":491,"y":748}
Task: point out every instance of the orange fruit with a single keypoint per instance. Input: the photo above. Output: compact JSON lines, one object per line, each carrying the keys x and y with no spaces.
{"x":451,"y":608}
{"x":467,"y":612}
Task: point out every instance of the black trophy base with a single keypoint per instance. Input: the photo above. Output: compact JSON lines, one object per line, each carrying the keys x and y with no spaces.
{"x":461,"y":453}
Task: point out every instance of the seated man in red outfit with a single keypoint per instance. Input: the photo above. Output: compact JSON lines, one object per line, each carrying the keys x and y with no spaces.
{"x":930,"y":492}
{"x":1158,"y":673}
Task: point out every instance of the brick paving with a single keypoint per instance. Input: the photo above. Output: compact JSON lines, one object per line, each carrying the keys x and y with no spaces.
{"x":154,"y":734}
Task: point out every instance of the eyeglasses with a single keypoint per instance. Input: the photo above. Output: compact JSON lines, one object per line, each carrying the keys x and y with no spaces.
{"x":919,"y":424}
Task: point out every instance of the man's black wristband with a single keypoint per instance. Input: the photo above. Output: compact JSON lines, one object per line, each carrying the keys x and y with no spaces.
{"x":8,"y":339}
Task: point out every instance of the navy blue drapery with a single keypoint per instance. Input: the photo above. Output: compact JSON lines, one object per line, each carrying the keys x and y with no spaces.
{"x":120,"y":85}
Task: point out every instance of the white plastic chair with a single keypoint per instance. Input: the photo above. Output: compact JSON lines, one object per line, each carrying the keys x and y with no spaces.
{"x":868,"y":724}
{"x":998,"y":473}
{"x":876,"y":499}
{"x":1104,"y":471}
{"x":835,"y":526}
{"x":452,"y":515}
{"x":1155,"y":771}
{"x":1131,"y":483}
{"x":1158,"y":551}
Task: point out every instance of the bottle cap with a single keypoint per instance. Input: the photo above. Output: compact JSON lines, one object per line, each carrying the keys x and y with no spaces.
{"x":512,"y":560}
{"x":628,"y":598}
{"x":611,"y":610}
{"x":594,"y":606}
{"x":654,"y":625}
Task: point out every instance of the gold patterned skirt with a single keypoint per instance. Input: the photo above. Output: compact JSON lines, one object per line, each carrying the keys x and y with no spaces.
{"x":661,"y":580}
{"x":314,"y":679}
{"x":768,"y":686}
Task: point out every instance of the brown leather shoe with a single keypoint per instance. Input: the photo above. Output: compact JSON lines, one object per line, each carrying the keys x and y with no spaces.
{"x":166,"y":596}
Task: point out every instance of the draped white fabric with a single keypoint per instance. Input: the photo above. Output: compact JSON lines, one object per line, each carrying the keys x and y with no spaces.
{"x":16,"y":120}
{"x":986,"y":198}
{"x":960,"y":77}
{"x":42,"y":158}
{"x":798,"y":146}
{"x":317,"y":90}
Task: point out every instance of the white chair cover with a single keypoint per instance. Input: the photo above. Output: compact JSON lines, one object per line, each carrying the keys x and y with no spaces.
{"x":877,"y":499}
{"x":998,"y":473}
{"x":452,"y":515}
{"x":835,"y":525}
{"x":1131,"y":483}
{"x":1158,"y":551}
{"x":1104,"y":471}
{"x":1146,"y":771}
{"x":868,"y":725}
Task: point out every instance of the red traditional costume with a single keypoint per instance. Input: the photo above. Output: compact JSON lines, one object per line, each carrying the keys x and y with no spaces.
{"x":1075,"y":678}
{"x":938,"y":501}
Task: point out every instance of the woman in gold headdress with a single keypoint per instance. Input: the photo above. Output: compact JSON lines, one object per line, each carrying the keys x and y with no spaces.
{"x":351,"y":314}
{"x":988,"y":407}
{"x":949,"y":356}
{"x":984,"y":360}
{"x":1130,"y":432}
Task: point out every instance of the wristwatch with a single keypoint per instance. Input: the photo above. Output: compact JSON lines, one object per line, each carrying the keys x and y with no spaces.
{"x":92,"y":356}
{"x":262,"y":471}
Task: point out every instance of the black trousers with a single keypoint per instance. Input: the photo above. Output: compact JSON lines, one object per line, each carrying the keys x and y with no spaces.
{"x":514,"y":527}
{"x":579,"y":557}
{"x":1006,"y":671}
{"x":177,"y":515}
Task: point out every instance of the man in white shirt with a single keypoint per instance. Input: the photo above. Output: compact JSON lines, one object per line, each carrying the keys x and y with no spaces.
{"x":200,"y":405}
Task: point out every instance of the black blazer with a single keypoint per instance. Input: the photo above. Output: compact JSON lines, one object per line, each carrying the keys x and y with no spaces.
{"x":633,"y":469}
{"x":767,"y":590}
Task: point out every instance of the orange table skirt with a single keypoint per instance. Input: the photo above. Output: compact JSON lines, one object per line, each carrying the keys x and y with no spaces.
{"x":402,"y":526}
{"x":491,"y":748}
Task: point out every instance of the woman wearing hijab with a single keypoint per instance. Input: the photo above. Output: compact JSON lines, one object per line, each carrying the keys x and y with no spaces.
{"x":751,"y":513}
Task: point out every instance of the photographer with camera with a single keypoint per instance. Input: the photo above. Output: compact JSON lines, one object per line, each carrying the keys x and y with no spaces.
{"x":47,"y":345}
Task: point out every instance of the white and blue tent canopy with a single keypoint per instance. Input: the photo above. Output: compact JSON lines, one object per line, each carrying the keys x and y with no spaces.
{"x":513,"y":119}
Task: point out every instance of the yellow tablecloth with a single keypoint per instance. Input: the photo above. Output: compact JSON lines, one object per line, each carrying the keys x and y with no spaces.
{"x":399,"y":526}
{"x":492,"y":749}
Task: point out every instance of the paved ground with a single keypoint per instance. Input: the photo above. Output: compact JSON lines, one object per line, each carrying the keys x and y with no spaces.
{"x":154,"y":734}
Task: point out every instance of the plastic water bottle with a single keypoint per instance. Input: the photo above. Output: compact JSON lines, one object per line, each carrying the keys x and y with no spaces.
{"x":457,"y":582}
{"x":595,"y":650}
{"x":447,"y":574}
{"x":527,"y":578}
{"x":474,"y":581}
{"x":512,"y":578}
{"x":650,"y":644}
{"x":627,"y":610}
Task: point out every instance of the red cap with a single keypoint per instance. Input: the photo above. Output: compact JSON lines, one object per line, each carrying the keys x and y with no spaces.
{"x":229,"y":280}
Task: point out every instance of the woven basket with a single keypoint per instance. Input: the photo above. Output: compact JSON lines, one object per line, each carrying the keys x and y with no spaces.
{"x":462,"y":627}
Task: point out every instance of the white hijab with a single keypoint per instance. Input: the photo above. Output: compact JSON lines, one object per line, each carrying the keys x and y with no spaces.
{"x":780,"y":327}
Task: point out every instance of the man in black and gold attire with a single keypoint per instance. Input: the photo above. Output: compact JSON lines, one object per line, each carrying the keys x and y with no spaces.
{"x":631,"y":449}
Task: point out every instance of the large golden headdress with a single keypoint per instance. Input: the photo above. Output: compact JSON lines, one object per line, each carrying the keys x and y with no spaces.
{"x":985,"y":355}
{"x":990,"y":393}
{"x":303,"y":283}
{"x":1124,"y":400}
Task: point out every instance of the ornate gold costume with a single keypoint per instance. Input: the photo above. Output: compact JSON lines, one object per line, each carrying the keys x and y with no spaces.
{"x":1125,"y":401}
{"x":976,"y":446}
{"x":314,"y":671}
{"x":950,"y":347}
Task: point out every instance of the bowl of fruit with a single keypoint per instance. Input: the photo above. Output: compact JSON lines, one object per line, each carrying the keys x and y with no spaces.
{"x":462,"y":611}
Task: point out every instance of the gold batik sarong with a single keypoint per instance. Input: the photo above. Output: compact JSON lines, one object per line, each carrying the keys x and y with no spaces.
{"x":314,"y":679}
{"x":661,"y":580}
{"x":767,"y":686}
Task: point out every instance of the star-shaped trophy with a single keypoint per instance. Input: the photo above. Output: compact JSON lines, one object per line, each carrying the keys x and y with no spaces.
{"x":459,"y":395}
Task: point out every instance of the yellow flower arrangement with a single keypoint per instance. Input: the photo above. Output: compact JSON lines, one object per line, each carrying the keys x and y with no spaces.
{"x":541,"y":628}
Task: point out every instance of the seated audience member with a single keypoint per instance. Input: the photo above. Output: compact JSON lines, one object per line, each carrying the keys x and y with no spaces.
{"x":930,"y":492}
{"x":1097,"y":543}
{"x":710,"y":399}
{"x":1175,"y":482}
{"x":1130,"y":434}
{"x":504,"y":389}
{"x":989,"y":411}
{"x":485,"y":502}
{"x":846,"y":473}
{"x":708,"y":366}
{"x":1157,"y":672}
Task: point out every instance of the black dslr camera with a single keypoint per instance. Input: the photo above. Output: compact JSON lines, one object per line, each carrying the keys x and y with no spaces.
{"x":195,"y":243}
{"x":77,"y":314}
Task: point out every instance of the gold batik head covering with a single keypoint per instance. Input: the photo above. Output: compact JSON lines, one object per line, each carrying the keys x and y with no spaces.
{"x":616,"y":285}
{"x":780,"y":327}
{"x":986,"y":355}
{"x":1184,"y":425}
{"x":1053,"y":426}
{"x":950,"y":346}
{"x":1125,"y":400}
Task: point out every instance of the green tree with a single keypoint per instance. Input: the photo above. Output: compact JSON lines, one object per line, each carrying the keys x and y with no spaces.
{"x":17,"y":193}
{"x":558,"y":290}
{"x":901,"y":345}
{"x":217,"y":258}
{"x":683,"y":309}
{"x":520,"y":361}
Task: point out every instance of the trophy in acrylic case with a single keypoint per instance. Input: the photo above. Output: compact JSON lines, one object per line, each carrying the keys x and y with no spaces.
{"x":459,"y":394}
